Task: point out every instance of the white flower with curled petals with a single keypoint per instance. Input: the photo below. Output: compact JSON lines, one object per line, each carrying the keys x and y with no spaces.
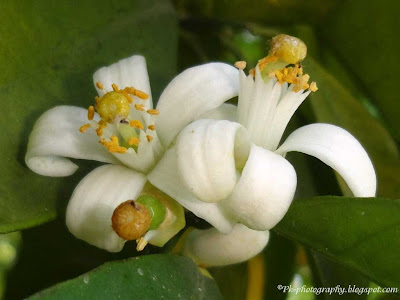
{"x":228,"y":168}
{"x":113,"y":203}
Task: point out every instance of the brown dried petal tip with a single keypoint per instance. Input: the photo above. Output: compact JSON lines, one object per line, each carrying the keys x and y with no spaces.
{"x":131,"y":220}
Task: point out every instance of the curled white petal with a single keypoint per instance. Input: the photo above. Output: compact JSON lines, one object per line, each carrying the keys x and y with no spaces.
{"x":94,"y":200}
{"x":338,"y":149}
{"x":206,"y":157}
{"x":212,"y":248}
{"x":165,"y":176}
{"x":264,"y":191}
{"x":225,"y":111}
{"x":192,"y":93}
{"x":56,"y":136}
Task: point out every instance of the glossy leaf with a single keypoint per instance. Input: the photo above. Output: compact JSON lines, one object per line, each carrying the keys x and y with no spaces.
{"x":361,"y":233}
{"x":370,"y":49}
{"x":48,"y":53}
{"x":146,"y":277}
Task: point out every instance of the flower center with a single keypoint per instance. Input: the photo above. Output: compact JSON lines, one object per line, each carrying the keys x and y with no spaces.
{"x":123,"y":116}
{"x":273,"y":91}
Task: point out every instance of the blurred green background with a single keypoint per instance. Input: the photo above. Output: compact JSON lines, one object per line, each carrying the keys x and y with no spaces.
{"x":48,"y":53}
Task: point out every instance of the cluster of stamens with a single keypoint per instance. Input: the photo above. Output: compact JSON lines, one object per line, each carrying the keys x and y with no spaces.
{"x":114,"y":108}
{"x":283,"y":63}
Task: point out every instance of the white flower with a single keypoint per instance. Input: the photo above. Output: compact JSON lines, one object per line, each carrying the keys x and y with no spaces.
{"x":125,"y":136}
{"x":232,"y":171}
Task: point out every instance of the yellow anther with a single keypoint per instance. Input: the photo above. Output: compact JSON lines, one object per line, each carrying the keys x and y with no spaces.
{"x":302,"y":83}
{"x":83,"y":128}
{"x":138,"y":93}
{"x":151,"y":127}
{"x":141,"y":95}
{"x":90,"y":113}
{"x":288,"y":48}
{"x":240,"y":65}
{"x":112,"y":105}
{"x":100,"y":129}
{"x":139,"y":107}
{"x":136,"y":123}
{"x":133,"y":141}
{"x":114,"y":87}
{"x":154,"y":112}
{"x":97,"y":99}
{"x":99,"y":85}
{"x":113,"y":145}
{"x":313,"y":87}
{"x":130,"y":99}
{"x":149,"y":138}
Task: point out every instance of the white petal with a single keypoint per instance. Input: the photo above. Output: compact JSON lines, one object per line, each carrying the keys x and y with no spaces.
{"x":165,"y":176}
{"x":265,"y":190}
{"x":206,"y":157}
{"x":131,"y":71}
{"x":338,"y":149}
{"x":94,"y":200}
{"x":212,"y":248}
{"x":56,"y":136}
{"x":192,"y":93}
{"x":225,"y":111}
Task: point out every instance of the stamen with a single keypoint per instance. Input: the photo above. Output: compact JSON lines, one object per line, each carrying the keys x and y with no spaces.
{"x":151,"y":127}
{"x":97,"y":99}
{"x":240,"y":65}
{"x":141,"y":244}
{"x":138,"y":93}
{"x":149,"y":138}
{"x":136,"y":124}
{"x":134,"y":141}
{"x":99,"y":85}
{"x":83,"y":128}
{"x":102,"y":126}
{"x":154,"y":112}
{"x":130,"y":99}
{"x":313,"y":87}
{"x":113,"y":145}
{"x":114,"y":87}
{"x":139,"y":107}
{"x":90,"y":114}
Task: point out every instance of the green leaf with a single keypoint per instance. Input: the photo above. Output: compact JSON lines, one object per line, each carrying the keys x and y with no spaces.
{"x":334,"y":104}
{"x":146,"y":277}
{"x":366,"y":236}
{"x":48,"y":53}
{"x":370,"y":48}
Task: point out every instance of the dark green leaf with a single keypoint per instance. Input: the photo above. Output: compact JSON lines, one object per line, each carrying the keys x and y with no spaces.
{"x":48,"y":53}
{"x":365,"y":35}
{"x":146,"y":277}
{"x":366,"y":236}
